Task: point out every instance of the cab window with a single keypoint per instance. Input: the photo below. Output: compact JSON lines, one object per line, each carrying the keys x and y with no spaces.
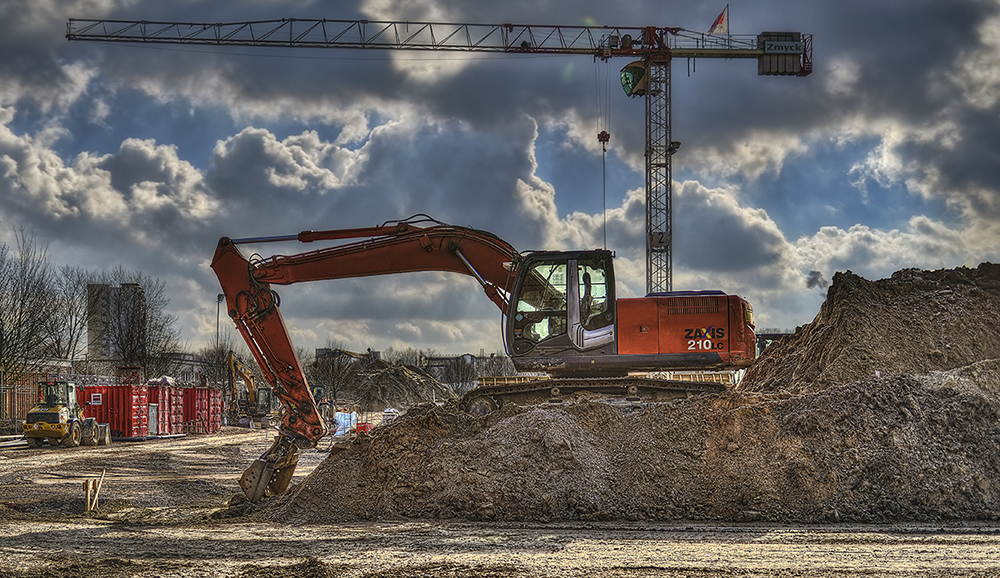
{"x":541,"y":307}
{"x":593,"y":279}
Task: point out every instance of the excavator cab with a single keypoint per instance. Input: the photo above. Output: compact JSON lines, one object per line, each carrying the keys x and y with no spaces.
{"x":563,"y":303}
{"x":564,"y":319}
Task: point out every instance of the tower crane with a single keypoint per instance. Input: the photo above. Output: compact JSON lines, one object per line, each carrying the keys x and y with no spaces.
{"x":652,"y":47}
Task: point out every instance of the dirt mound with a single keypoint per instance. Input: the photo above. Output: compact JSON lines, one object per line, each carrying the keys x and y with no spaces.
{"x":884,"y":449}
{"x":814,"y":434}
{"x":380,"y":385}
{"x":912,"y":323}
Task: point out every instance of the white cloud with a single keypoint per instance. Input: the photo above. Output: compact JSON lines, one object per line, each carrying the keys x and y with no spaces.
{"x":408,"y":331}
{"x":418,"y":66}
{"x":168,"y":182}
{"x":976,"y":70}
{"x":883,"y":164}
{"x":749,"y":157}
{"x":38,"y":180}
{"x":841,"y":76}
{"x":872,"y":252}
{"x":297,"y":163}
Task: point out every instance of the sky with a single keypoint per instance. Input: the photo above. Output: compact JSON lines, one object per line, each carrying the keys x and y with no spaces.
{"x":886,"y":157}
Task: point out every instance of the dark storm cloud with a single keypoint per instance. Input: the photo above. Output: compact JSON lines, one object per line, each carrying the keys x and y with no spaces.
{"x":907,"y":60}
{"x":29,"y":65}
{"x":815,"y":279}
{"x":718,"y":235}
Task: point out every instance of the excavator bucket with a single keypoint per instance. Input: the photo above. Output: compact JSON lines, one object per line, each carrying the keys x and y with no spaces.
{"x":272,"y":472}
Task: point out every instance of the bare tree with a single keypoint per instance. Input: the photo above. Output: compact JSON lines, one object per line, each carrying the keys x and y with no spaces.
{"x":409,"y":356}
{"x":334,"y":369}
{"x":26,"y":303}
{"x":66,"y":329}
{"x":497,"y":364}
{"x":214,"y":358}
{"x":460,"y":373}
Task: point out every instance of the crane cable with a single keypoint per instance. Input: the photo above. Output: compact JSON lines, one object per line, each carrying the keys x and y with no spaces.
{"x":603,"y":136}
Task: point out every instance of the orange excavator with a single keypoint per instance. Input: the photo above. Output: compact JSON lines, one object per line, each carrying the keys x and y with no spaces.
{"x":561,"y":314}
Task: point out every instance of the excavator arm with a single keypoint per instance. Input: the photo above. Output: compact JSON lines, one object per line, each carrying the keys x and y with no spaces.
{"x":238,"y":370}
{"x":393,"y":247}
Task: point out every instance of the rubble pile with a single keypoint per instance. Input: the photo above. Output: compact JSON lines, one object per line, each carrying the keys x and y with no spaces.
{"x":381,"y":384}
{"x":914,"y":322}
{"x":814,"y":435}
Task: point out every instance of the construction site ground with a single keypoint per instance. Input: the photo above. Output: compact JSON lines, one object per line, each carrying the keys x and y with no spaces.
{"x":159,"y":498}
{"x":867,"y":443}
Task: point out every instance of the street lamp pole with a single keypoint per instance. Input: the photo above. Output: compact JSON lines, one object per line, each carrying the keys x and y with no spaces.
{"x":215,"y":356}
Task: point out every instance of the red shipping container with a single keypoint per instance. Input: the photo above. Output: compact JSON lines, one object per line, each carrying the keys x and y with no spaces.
{"x":159,"y":397}
{"x":202,"y":411}
{"x":123,"y":407}
{"x":176,"y":410}
{"x":197,"y":410}
{"x":170,"y":406}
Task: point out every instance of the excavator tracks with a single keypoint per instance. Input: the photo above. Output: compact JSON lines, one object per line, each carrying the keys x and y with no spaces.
{"x":486,"y":399}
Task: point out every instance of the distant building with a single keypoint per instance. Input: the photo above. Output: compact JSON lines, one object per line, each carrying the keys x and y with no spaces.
{"x":116,"y":321}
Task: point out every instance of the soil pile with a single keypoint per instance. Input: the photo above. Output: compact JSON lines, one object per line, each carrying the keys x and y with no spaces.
{"x":828,"y":442}
{"x":912,"y":323}
{"x":380,"y":385}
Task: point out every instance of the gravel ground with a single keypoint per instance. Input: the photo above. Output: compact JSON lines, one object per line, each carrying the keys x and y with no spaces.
{"x":157,"y":520}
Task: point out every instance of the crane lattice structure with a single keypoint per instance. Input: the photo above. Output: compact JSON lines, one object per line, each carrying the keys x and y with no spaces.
{"x":777,"y":54}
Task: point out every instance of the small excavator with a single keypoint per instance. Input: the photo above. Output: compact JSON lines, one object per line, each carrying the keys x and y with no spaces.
{"x":561,"y":318}
{"x":253,"y":406}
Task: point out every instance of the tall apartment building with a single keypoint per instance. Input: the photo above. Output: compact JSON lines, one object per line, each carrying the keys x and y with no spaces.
{"x":116,"y":322}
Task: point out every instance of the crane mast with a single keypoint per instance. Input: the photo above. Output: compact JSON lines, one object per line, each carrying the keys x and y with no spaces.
{"x":777,"y":54}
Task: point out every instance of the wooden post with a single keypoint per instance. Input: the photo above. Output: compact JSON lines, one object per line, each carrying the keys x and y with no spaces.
{"x":92,"y":487}
{"x":86,"y":495}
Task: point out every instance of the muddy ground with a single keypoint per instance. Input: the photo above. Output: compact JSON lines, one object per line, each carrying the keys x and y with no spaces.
{"x":159,"y":497}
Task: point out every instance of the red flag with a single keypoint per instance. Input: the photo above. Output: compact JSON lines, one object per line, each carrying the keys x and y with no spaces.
{"x":721,"y":24}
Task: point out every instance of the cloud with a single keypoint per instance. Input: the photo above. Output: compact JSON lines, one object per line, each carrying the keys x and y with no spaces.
{"x":716,"y":233}
{"x":842,"y":76}
{"x":976,"y":72}
{"x":815,"y":279}
{"x":874,"y":253}
{"x":300,"y":163}
{"x":883,"y":158}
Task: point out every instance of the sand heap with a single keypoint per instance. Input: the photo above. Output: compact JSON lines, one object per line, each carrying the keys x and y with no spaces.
{"x":814,"y":435}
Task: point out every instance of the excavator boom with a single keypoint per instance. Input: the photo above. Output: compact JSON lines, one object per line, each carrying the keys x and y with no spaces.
{"x":394,"y":247}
